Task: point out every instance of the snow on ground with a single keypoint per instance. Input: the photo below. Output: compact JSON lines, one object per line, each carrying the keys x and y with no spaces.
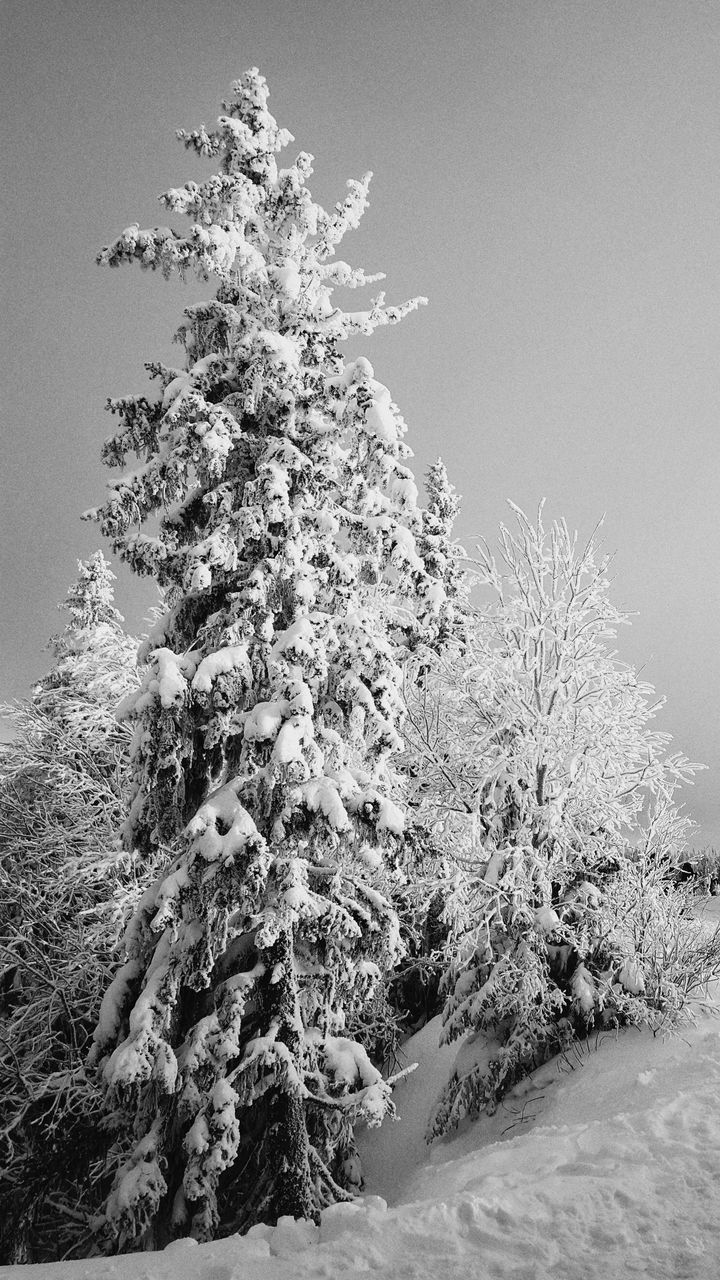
{"x":604,"y":1165}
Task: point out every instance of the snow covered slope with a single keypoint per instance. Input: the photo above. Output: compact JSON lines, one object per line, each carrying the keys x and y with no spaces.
{"x":600,"y":1167}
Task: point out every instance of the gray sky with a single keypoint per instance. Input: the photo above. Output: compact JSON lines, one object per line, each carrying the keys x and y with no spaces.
{"x":546,"y":171}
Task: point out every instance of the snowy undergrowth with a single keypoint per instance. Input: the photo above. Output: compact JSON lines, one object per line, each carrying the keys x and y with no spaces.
{"x":602,"y":1165}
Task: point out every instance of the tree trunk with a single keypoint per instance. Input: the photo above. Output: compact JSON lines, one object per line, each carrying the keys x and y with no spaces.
{"x":289,"y":1146}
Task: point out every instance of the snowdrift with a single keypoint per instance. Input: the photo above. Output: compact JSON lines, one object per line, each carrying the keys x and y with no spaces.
{"x":604,"y":1164}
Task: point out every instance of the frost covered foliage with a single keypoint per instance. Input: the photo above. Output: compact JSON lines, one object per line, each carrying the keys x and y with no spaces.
{"x":92,"y":655}
{"x":443,"y":555}
{"x":412,"y":995}
{"x":63,"y":897}
{"x":287,"y":535}
{"x":699,"y":871}
{"x":653,"y":918}
{"x":539,"y":769}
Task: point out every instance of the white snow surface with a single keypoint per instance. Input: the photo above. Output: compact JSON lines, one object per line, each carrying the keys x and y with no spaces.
{"x":601,"y":1166}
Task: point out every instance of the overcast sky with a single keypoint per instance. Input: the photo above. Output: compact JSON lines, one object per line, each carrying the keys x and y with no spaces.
{"x":546,"y":171}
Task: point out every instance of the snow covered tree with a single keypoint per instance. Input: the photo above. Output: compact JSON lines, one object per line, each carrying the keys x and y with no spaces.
{"x":65,"y":890}
{"x":442,"y":554}
{"x":94,"y":624}
{"x":413,"y":990}
{"x":538,"y":769}
{"x":285,"y":530}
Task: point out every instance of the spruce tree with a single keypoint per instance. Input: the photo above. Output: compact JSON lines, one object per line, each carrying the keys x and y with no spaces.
{"x":285,"y":535}
{"x":414,"y":987}
{"x":92,"y":655}
{"x":442,"y":554}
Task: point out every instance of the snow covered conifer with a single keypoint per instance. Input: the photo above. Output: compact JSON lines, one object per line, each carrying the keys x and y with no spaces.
{"x":287,"y":541}
{"x":92,"y":655}
{"x":413,"y":991}
{"x":440,"y":552}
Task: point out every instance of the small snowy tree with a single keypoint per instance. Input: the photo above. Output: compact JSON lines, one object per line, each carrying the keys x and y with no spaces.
{"x":92,"y":654}
{"x":413,"y":991}
{"x":64,"y":893}
{"x":538,"y":769}
{"x":286,"y":539}
{"x":442,"y":554}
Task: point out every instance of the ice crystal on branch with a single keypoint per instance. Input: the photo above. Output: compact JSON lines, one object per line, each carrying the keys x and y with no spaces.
{"x":287,"y":535}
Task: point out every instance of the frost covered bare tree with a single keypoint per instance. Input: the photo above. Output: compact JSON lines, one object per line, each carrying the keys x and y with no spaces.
{"x":540,"y":768}
{"x":64,"y":894}
{"x":287,"y":536}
